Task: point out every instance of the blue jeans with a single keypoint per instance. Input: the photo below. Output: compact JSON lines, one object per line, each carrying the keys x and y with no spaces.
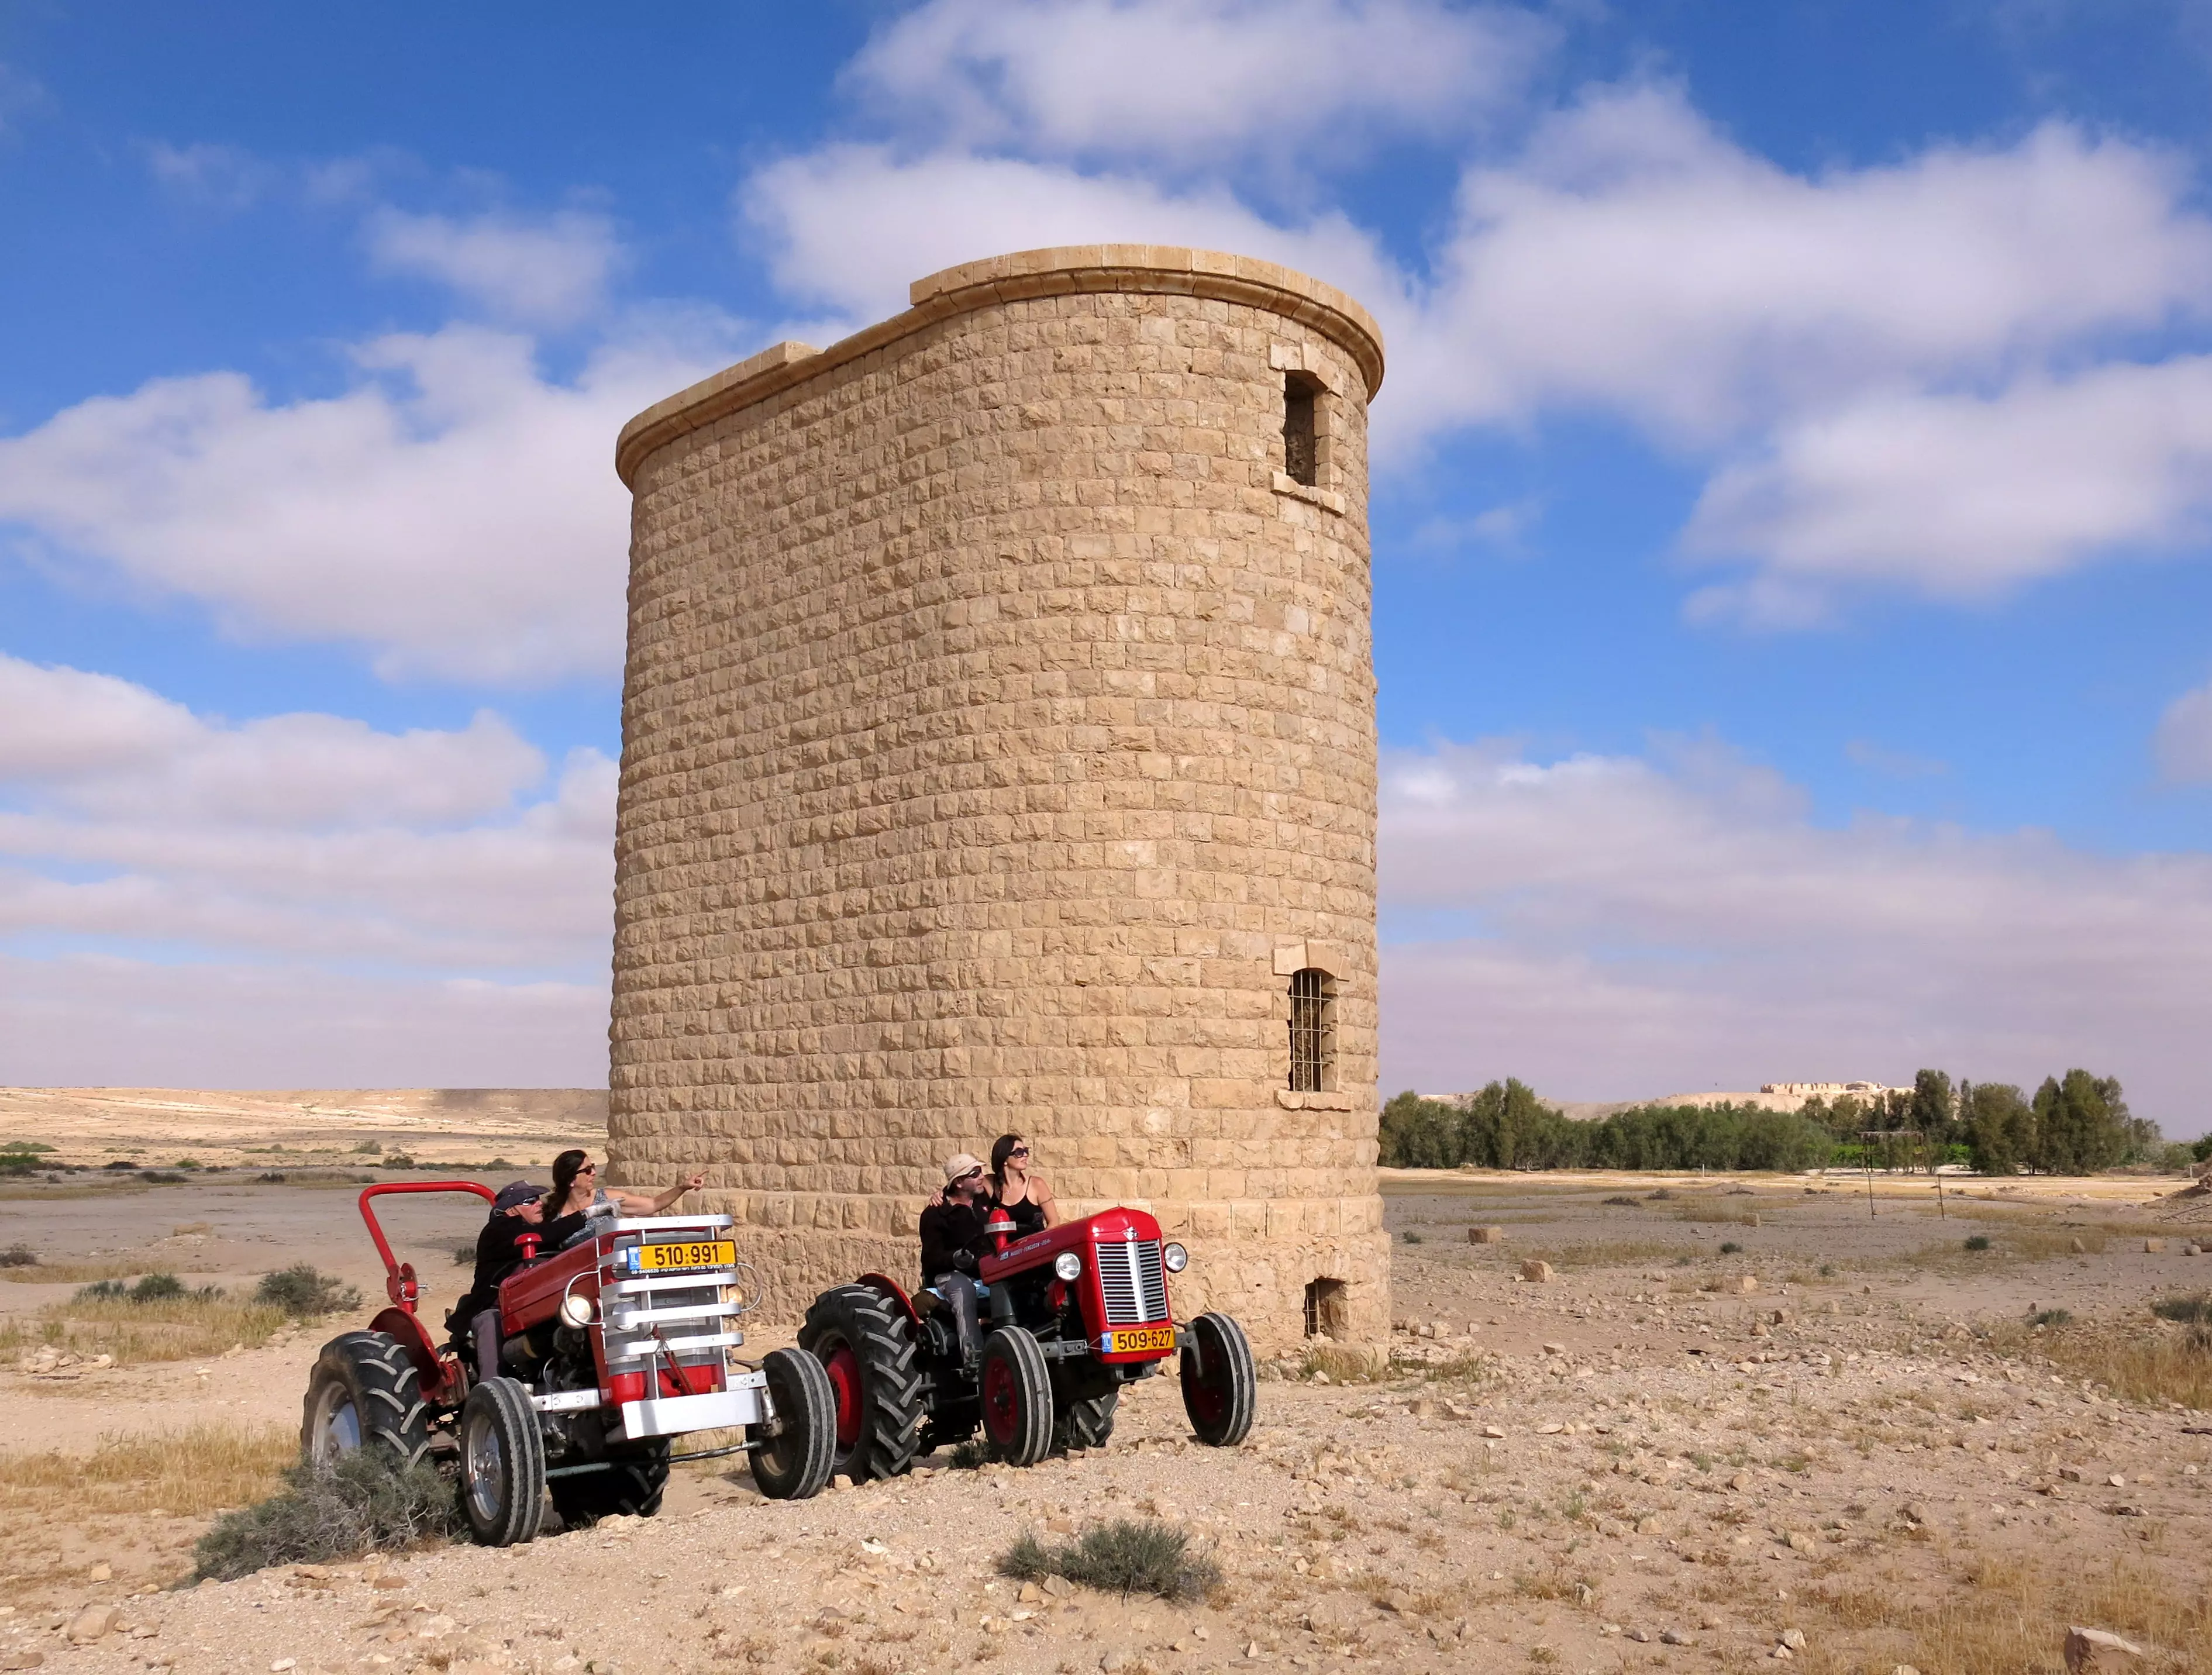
{"x":961,"y":1291}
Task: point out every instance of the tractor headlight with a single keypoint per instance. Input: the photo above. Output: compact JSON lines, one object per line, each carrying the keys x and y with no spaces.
{"x":1174,"y":1259}
{"x":576,"y":1311}
{"x":1068,"y":1265}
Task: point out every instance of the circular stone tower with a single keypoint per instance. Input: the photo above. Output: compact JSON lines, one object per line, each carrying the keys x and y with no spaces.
{"x":998,"y":754}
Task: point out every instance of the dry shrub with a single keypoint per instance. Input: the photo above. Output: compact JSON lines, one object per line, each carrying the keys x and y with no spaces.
{"x":164,"y":1329}
{"x":1344,"y":1364}
{"x":32,"y":1271}
{"x":360,"y":1504}
{"x":1717,"y":1212}
{"x":303,"y":1292}
{"x":1126,"y":1555}
{"x":2013,"y":1616}
{"x":204,"y":1469}
{"x":2161,"y":1365}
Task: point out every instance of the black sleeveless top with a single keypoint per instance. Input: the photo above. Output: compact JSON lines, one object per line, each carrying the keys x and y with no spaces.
{"x":1027,"y":1217}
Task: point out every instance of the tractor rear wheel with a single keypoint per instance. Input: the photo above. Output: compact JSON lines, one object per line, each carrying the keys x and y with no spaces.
{"x":794,"y":1463}
{"x":1017,"y":1392}
{"x":502,"y":1464}
{"x":363,"y":1393}
{"x":866,"y":1347}
{"x":1085,"y":1424}
{"x":631,"y":1486}
{"x":1220,"y":1388}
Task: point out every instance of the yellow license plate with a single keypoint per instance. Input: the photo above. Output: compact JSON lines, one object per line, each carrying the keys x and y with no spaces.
{"x":1145,"y":1338}
{"x":701,"y":1254}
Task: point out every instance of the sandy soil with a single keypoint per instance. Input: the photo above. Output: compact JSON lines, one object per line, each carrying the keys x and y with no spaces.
{"x":158,"y":1125}
{"x":1620,"y":1468}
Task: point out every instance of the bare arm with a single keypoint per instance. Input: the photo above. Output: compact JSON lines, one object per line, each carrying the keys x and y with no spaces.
{"x":637,"y":1203}
{"x":1041,"y":1195}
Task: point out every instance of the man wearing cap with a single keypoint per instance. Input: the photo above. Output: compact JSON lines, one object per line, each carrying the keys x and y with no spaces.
{"x":518,"y":1208}
{"x":951,"y":1235}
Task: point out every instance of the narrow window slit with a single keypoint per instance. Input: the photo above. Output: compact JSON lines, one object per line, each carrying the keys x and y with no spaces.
{"x":1301,"y":453}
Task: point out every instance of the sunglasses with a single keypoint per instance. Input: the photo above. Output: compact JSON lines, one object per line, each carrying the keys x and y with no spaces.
{"x":589,"y":1169}
{"x":1019,"y":1151}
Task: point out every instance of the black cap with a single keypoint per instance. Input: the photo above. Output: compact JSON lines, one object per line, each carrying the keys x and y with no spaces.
{"x":514,"y":1192}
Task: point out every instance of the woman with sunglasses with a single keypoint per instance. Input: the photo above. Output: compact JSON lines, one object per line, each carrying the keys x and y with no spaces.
{"x":1025,"y":1197}
{"x":576,"y":1189}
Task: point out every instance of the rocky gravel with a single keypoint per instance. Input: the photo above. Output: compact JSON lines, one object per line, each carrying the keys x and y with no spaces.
{"x":1614,"y":1468}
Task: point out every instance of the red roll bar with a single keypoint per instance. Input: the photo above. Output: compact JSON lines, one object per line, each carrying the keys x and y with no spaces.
{"x":399,"y":1283}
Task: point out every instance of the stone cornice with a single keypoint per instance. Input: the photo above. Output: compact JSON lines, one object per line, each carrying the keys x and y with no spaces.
{"x":1142,"y":269}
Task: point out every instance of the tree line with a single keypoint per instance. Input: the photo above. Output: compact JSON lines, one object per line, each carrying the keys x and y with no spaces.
{"x":2076,"y":1124}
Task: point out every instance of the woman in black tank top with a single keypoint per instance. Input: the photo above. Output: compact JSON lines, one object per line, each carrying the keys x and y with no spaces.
{"x":1027,"y":1198}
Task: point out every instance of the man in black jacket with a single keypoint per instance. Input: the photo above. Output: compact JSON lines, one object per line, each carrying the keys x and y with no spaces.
{"x":951,"y":1237}
{"x":519,"y":1208}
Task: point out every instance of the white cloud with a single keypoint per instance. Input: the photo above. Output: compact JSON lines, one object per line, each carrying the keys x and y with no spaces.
{"x":2184,"y":741}
{"x":98,"y":1021}
{"x":853,"y":226}
{"x":124,"y":817}
{"x":1965,"y":496}
{"x":1177,"y":80}
{"x":222,"y":177}
{"x":456,"y":513}
{"x":552,"y":271}
{"x":1633,"y":259}
{"x":1611,"y":927}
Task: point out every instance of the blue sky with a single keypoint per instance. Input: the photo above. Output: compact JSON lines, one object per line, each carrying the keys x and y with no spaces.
{"x":1793,"y":487}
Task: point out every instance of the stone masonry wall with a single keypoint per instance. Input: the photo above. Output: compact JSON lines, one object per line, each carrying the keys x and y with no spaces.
{"x":999,"y":735}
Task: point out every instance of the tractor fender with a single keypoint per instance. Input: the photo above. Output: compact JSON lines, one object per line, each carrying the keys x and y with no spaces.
{"x":405,"y":1327}
{"x":895,"y":1293}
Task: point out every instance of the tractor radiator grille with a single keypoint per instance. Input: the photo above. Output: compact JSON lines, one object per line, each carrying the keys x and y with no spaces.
{"x":1130,"y":1278}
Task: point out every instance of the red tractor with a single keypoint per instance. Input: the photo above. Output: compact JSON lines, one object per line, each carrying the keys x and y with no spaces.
{"x":1072,"y":1314}
{"x":612,"y":1349}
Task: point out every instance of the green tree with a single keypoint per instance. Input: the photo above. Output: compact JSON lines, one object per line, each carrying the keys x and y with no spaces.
{"x":1932,"y":1110}
{"x":1417,"y":1133}
{"x":2081,"y":1123}
{"x":2000,"y":1126}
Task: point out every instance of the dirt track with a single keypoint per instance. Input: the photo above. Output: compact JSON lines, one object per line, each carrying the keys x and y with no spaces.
{"x":1617,"y":1453}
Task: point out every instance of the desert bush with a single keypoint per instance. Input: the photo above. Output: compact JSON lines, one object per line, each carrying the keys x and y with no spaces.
{"x":1659,"y":1196}
{"x":303,"y":1291}
{"x":152,"y":1288}
{"x":271,"y":1177}
{"x":2050,"y":1317}
{"x":162,"y":1178}
{"x":2190,"y":1311}
{"x":1978,"y":1241}
{"x":1126,"y":1555}
{"x":186,"y":1473}
{"x":360,"y":1504}
{"x":1624,"y":1199}
{"x":465,"y":1256}
{"x":1412,"y":1237}
{"x":1730,"y":1248}
{"x":19,"y":1255}
{"x":120,"y":1163}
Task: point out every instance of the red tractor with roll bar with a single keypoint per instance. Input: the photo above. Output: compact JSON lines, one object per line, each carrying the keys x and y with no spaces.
{"x":612,"y":1350}
{"x":1073,"y":1315}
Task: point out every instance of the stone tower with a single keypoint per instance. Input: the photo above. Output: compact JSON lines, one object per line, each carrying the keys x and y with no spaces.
{"x":998,"y":754}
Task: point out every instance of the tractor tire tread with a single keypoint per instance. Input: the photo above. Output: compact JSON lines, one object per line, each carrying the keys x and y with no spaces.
{"x":382,"y":1377}
{"x":892,"y":1376}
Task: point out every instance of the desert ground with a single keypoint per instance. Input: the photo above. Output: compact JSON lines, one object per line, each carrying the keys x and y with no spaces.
{"x":1765,"y":1421}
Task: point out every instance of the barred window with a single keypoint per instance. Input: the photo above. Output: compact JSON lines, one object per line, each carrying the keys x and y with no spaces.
{"x":1313,"y":1030}
{"x":1327,"y":1308}
{"x":1301,"y":435}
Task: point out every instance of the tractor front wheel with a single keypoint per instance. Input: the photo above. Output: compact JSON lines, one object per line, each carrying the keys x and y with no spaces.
{"x":364,"y":1393}
{"x":867,"y":1349}
{"x":793,"y":1463}
{"x":502,"y":1464}
{"x":1220,"y":1388}
{"x":1017,"y":1396}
